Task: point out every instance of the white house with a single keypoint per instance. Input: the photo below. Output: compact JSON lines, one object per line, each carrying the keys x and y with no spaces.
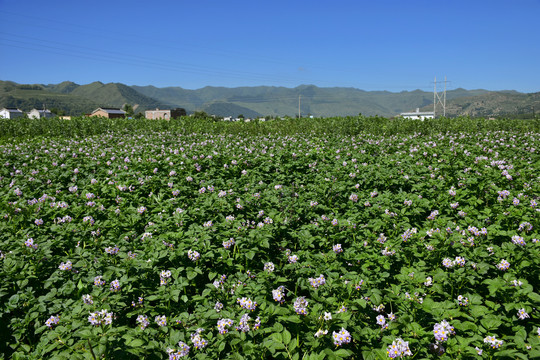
{"x":38,"y":114}
{"x":417,"y":115}
{"x":11,"y":113}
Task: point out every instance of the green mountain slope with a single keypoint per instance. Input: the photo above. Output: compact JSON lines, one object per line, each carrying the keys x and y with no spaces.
{"x":27,"y":97}
{"x":492,"y":104}
{"x":262,"y":100}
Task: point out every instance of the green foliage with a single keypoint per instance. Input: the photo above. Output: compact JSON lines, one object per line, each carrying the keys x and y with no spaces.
{"x":424,"y":214}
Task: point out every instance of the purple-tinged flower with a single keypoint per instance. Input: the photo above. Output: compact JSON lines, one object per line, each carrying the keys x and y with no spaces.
{"x":243,"y":324}
{"x":30,"y":243}
{"x":341,"y":337}
{"x":381,"y":320}
{"x":503,"y":265}
{"x":300,"y":305}
{"x":38,"y":222}
{"x":246,"y":303}
{"x":478,"y":350}
{"x":522,"y":314}
{"x":193,"y":255}
{"x":493,"y":342}
{"x":112,"y":250}
{"x":98,"y":281}
{"x":223,"y":325}
{"x":229,"y":243}
{"x":448,"y":263}
{"x":353,"y":197}
{"x":398,"y":348}
{"x":53,"y":320}
{"x":183,"y":350}
{"x":100,"y":317}
{"x":316,"y":282}
{"x":463,"y":301}
{"x":293,"y":259}
{"x":459,"y":261}
{"x":67,"y":266}
{"x":269,"y":267}
{"x":279,"y":294}
{"x":143,"y":321}
{"x":518,"y":240}
{"x":161,"y":320}
{"x":115,"y":285}
{"x":197,"y":340}
{"x":433,"y":215}
{"x":337,"y":248}
{"x":164,"y":277}
{"x":87,"y":299}
{"x":442,"y":331}
{"x":527,"y":226}
{"x":218,"y":307}
{"x":516,"y":283}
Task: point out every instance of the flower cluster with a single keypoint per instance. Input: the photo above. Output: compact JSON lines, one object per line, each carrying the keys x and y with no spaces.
{"x":442,"y":330}
{"x":279,"y":294}
{"x":143,"y":321}
{"x":183,"y":350}
{"x":161,"y":320}
{"x":193,"y":255}
{"x":115,"y":285}
{"x":53,"y":320}
{"x":67,"y":266}
{"x":463,"y":301}
{"x":398,"y":348}
{"x":503,"y":265}
{"x":30,"y":243}
{"x":341,"y":337}
{"x":493,"y":342}
{"x":98,"y":281}
{"x":337,"y":248}
{"x":522,"y":314}
{"x":223,"y":325}
{"x":246,"y":303}
{"x":316,"y":282}
{"x":164,"y":277}
{"x":269,"y":267}
{"x":300,"y":305}
{"x":100,"y":317}
{"x":197,"y":340}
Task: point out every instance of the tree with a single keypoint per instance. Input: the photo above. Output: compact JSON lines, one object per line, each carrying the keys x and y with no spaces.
{"x":128,"y":109}
{"x":241,"y":116}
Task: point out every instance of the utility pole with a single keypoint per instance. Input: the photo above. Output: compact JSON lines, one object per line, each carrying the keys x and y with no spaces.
{"x":299,"y":97}
{"x":437,"y":99}
{"x":434,"y":97}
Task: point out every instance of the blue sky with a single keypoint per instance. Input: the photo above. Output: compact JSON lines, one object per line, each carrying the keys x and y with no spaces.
{"x":369,"y":45}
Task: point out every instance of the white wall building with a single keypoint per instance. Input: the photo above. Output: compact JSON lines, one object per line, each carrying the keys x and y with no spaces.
{"x":417,"y":115}
{"x":38,"y":114}
{"x":11,"y":113}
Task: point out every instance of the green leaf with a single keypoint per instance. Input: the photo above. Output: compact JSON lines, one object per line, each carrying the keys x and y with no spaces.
{"x":286,"y":335}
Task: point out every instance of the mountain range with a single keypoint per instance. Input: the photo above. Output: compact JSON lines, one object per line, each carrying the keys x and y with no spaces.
{"x":75,"y":99}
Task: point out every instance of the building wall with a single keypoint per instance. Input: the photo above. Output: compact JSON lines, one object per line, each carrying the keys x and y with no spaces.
{"x":10,"y":115}
{"x":157,"y":114}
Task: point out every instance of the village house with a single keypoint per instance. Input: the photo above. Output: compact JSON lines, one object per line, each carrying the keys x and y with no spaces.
{"x":417,"y":115}
{"x":164,"y":114}
{"x":39,"y":114}
{"x":11,"y":113}
{"x":110,"y":113}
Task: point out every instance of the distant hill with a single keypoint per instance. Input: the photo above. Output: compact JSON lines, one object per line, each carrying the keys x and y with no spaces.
{"x":493,"y":104}
{"x":262,"y":100}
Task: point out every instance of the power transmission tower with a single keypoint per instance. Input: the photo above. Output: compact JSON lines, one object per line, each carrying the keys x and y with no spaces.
{"x":438,"y":100}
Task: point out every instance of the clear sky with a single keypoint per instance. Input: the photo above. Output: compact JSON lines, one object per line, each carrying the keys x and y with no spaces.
{"x":370,"y":45}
